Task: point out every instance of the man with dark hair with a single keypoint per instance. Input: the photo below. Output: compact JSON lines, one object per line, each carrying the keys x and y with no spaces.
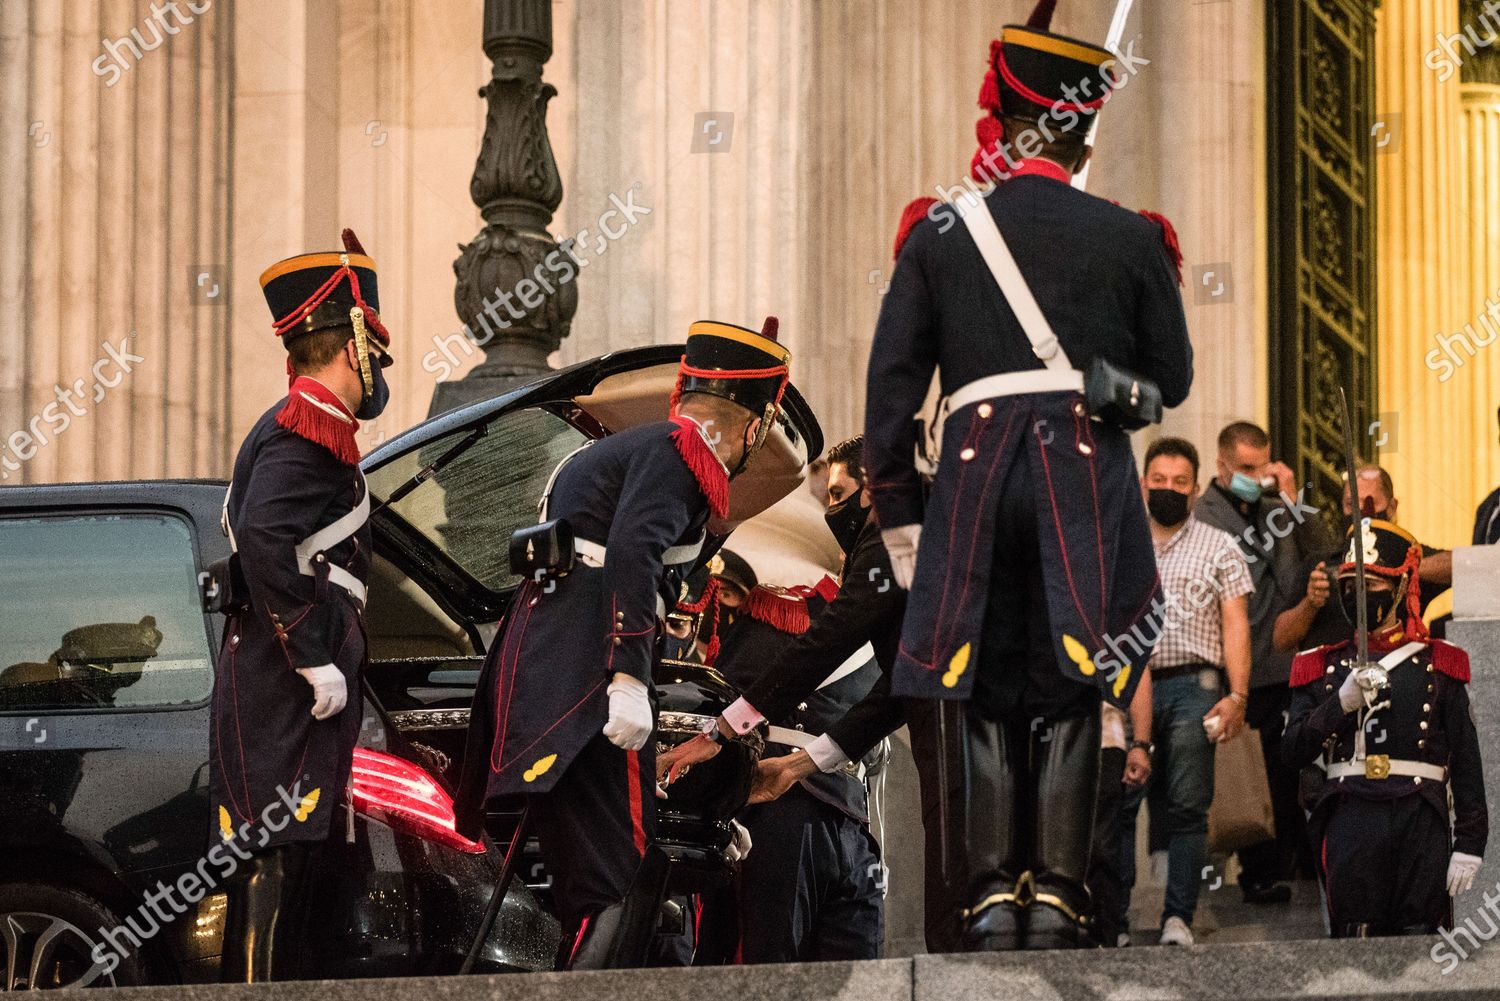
{"x":1258,"y":502}
{"x":564,"y":709}
{"x":809,"y":686}
{"x":1200,"y":674}
{"x":286,"y":701}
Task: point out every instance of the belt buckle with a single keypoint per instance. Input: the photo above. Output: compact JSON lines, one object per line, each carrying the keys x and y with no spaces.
{"x":1378,"y":766}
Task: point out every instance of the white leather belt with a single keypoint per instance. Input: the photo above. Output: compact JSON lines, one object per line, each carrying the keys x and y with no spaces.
{"x":592,"y":553}
{"x":1377,"y":766}
{"x":311,"y":549}
{"x":1042,"y":380}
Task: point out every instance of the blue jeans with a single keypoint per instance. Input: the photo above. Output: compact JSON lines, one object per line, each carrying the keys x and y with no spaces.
{"x":1183,"y":772}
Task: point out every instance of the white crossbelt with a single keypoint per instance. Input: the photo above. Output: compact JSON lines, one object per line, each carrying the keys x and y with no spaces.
{"x":592,"y":553}
{"x":311,"y":549}
{"x":1389,"y":662}
{"x":1394,"y":766}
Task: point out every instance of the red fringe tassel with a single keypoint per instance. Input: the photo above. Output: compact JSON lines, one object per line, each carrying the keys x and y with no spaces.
{"x":703,"y":464}
{"x":308,"y":421}
{"x":1169,"y":240}
{"x":1309,"y":665}
{"x":913,"y":214}
{"x":780,"y":610}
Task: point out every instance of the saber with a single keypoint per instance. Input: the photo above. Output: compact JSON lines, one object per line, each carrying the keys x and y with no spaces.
{"x":1112,"y":43}
{"x":1361,"y":634}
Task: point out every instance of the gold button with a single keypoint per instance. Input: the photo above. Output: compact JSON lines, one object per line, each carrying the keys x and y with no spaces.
{"x":1422,"y":725}
{"x":618,"y":641}
{"x":1427,"y":707}
{"x":985,"y":410}
{"x":1327,"y":688}
{"x":1416,"y":780}
{"x":1078,"y":409}
{"x":1330,"y":669}
{"x":1085,"y":448}
{"x":1422,"y":742}
{"x":234,"y":640}
{"x":802,"y":707}
{"x":1429,"y":668}
{"x":967,"y":454}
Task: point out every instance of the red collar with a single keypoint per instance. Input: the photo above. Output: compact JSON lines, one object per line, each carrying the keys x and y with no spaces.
{"x":1042,"y":168}
{"x":316,"y":413}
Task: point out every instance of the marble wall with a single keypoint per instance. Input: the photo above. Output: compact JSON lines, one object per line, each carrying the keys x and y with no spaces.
{"x":259,"y":130}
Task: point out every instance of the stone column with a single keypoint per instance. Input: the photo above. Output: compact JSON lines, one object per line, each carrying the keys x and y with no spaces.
{"x":1420,"y":257}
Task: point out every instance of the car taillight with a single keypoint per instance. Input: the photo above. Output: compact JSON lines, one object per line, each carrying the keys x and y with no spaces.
{"x":398,"y":793}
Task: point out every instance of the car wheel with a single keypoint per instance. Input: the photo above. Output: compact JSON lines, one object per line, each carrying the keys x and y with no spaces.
{"x":48,"y":937}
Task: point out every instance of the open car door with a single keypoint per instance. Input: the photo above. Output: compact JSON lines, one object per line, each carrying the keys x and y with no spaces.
{"x":448,"y":494}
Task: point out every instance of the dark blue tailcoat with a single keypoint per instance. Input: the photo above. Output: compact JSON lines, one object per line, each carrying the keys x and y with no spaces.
{"x":542,"y":694}
{"x":263,"y":737}
{"x":1102,"y":277}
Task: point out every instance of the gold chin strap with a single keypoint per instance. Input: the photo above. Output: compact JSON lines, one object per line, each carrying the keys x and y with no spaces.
{"x":767,"y":420}
{"x":362,"y":345}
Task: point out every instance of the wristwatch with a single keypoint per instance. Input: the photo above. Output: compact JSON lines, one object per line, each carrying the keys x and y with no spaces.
{"x":1144,"y":745}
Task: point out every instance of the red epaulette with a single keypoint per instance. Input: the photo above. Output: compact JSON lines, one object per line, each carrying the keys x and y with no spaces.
{"x":312,"y":411}
{"x":778,"y":607}
{"x":1451,"y":660}
{"x":704,"y":464}
{"x":827,"y":588}
{"x":1168,"y":239}
{"x":914,"y":213}
{"x":1310,"y":665}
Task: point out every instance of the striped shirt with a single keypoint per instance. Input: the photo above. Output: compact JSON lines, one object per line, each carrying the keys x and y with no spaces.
{"x":1200,"y":566}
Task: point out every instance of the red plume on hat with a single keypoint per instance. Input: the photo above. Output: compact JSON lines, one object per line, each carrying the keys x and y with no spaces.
{"x":988,"y":129}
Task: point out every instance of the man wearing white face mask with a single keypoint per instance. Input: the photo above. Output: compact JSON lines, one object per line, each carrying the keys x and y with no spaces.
{"x":1279,"y":532}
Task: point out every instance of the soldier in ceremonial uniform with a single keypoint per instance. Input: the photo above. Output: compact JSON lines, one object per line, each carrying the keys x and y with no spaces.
{"x":564,"y":709}
{"x":812,"y":890}
{"x":1030,"y":564}
{"x":286,"y":700}
{"x":1396,"y":741}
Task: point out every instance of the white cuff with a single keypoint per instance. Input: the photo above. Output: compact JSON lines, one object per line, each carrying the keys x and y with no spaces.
{"x":742,"y":717}
{"x":826,"y":754}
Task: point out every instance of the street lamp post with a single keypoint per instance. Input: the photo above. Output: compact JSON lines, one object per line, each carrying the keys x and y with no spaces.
{"x":509,"y":299}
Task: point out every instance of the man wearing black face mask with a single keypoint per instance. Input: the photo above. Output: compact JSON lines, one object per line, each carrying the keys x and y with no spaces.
{"x":286,"y":700}
{"x":803,"y":683}
{"x":1200,"y":673}
{"x":1398,"y":744}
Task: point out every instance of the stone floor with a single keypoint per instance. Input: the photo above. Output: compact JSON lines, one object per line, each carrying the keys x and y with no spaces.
{"x":1223,"y":915}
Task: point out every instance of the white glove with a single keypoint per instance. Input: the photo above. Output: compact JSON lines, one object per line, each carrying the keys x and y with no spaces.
{"x":330,"y":691}
{"x":630,"y":724}
{"x":739,"y":844}
{"x":1461,"y":871}
{"x":901,"y":545}
{"x":1360,"y":686}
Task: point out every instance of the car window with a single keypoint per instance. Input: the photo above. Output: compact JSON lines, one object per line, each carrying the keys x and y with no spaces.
{"x":100,"y":610}
{"x":470,"y":506}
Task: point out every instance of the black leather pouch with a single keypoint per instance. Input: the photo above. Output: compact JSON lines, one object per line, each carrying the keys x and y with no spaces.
{"x":1120,"y":397}
{"x":541,"y":551}
{"x":223,"y":587}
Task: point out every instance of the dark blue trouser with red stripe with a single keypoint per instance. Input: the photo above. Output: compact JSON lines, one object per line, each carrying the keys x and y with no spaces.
{"x":594,"y":826}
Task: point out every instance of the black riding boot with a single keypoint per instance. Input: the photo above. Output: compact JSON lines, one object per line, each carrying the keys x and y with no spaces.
{"x":620,"y":936}
{"x":1066,"y":756}
{"x":995,"y":785}
{"x":265,"y":915}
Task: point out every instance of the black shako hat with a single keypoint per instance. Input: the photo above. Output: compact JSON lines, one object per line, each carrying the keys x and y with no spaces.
{"x":736,"y":363}
{"x":1037,"y":75}
{"x":317,"y":291}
